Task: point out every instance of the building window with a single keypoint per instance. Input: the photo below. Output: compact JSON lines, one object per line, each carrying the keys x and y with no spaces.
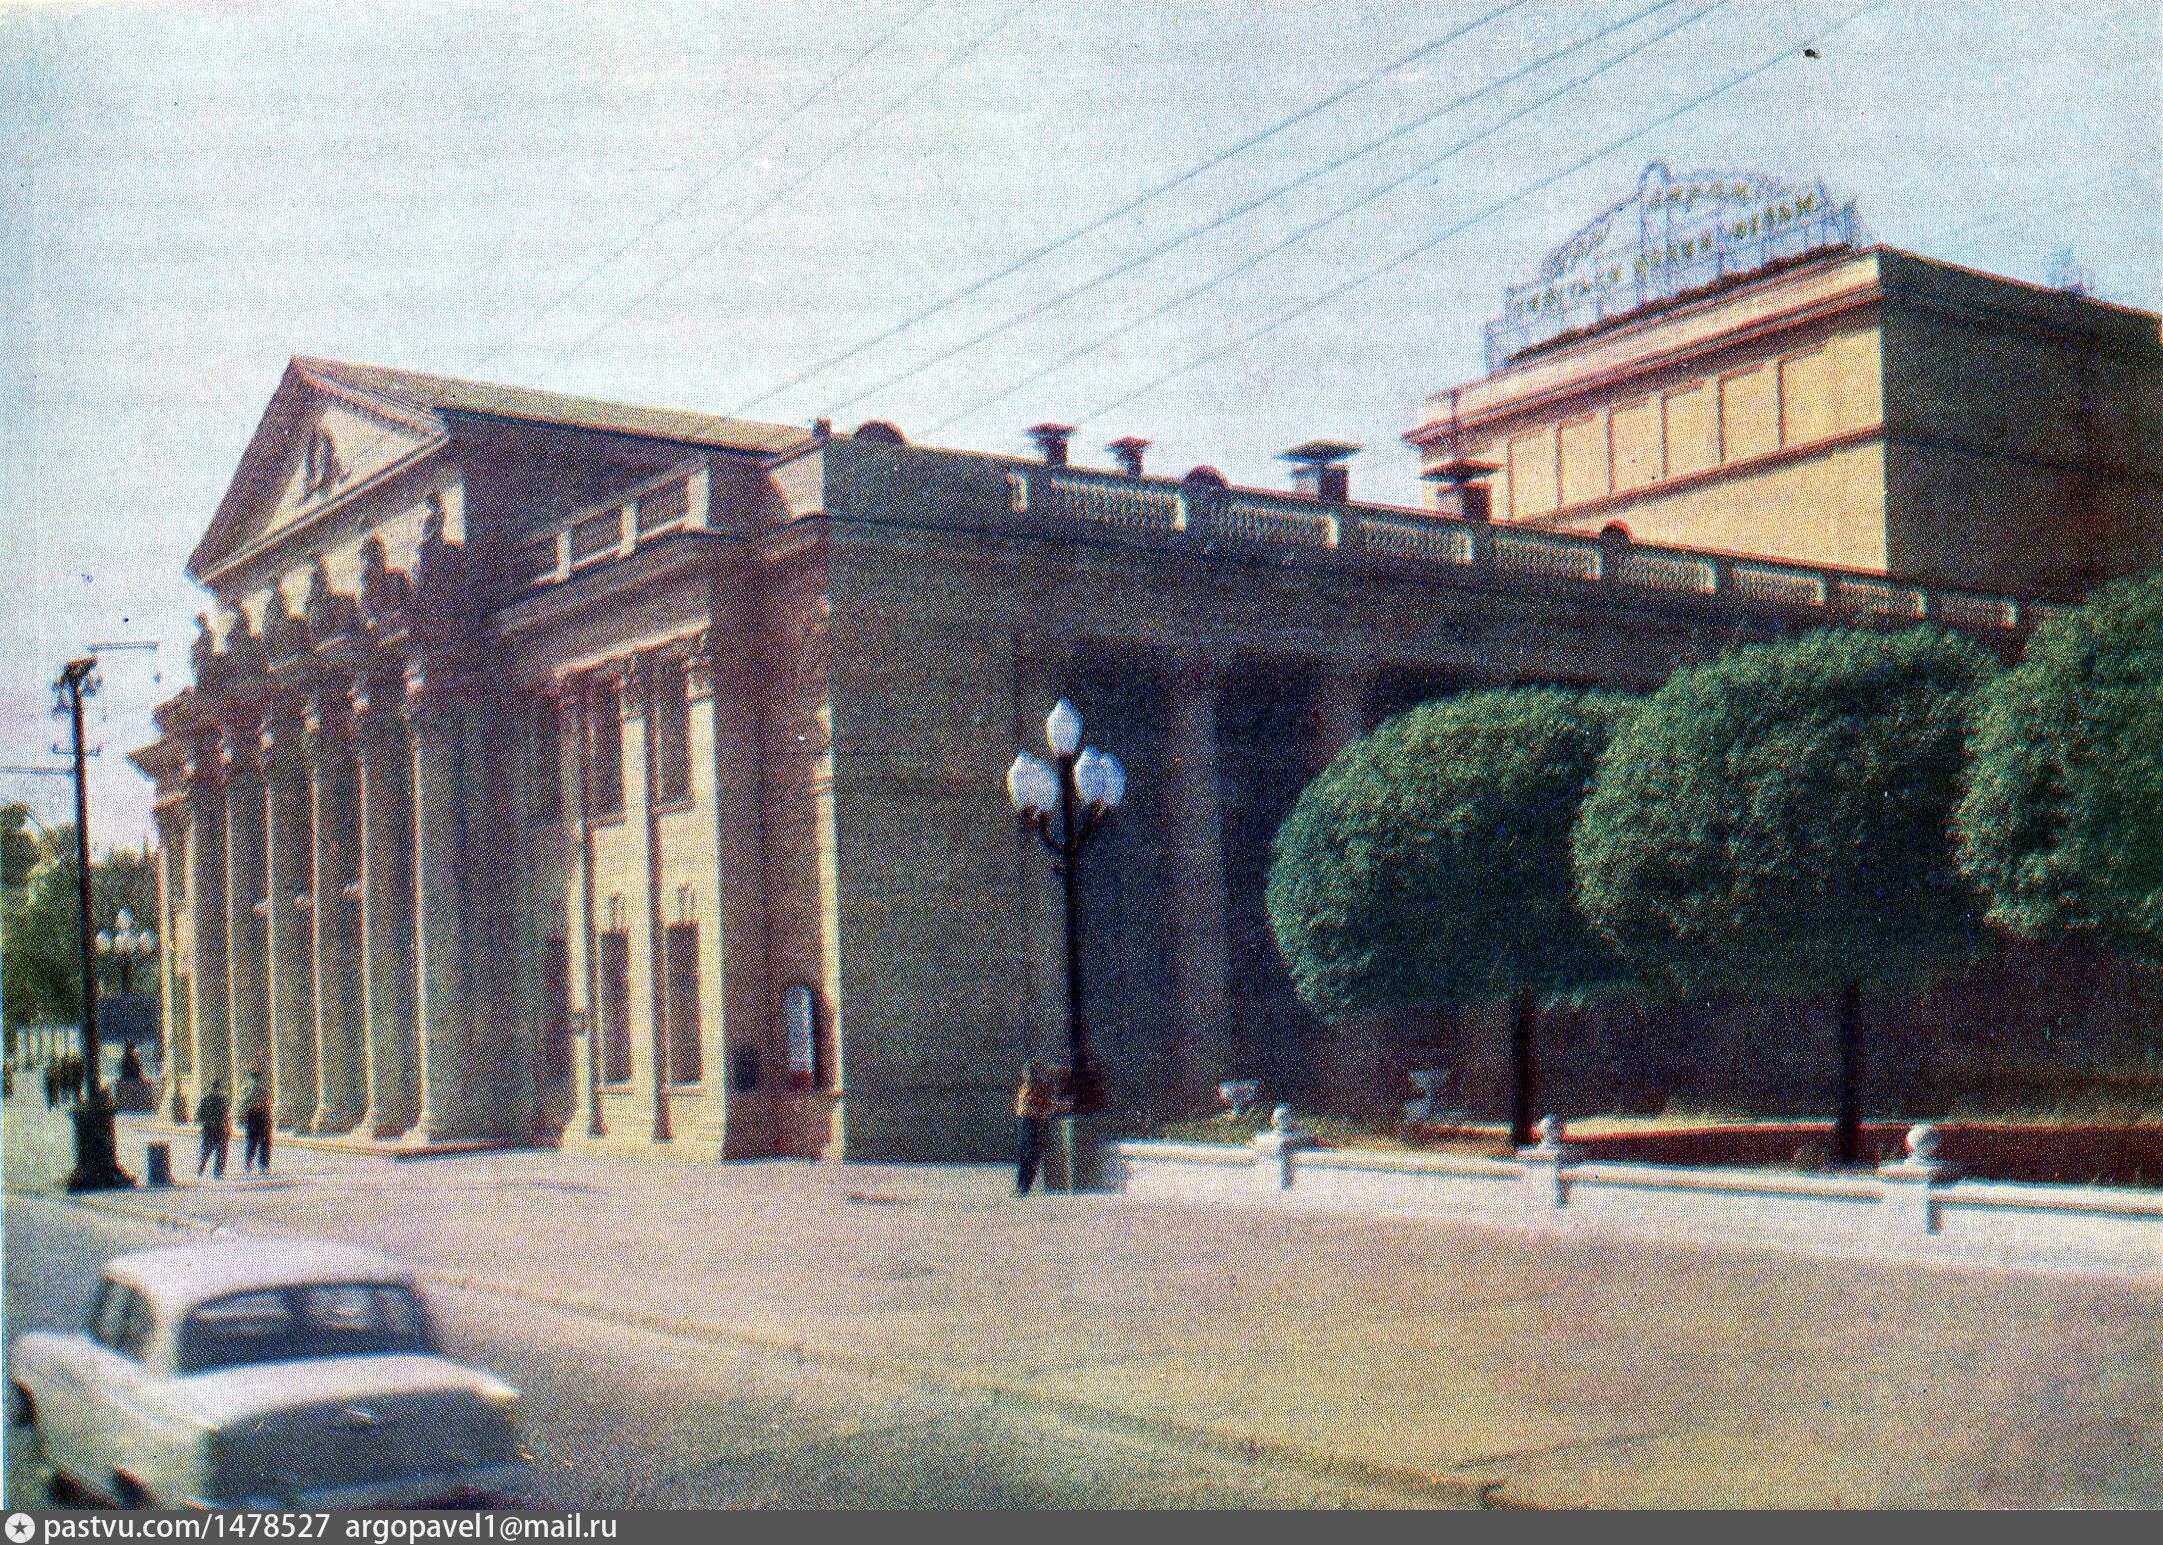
{"x":672,"y":731}
{"x":686,"y":1061}
{"x":545,"y":751}
{"x":556,"y":994}
{"x":810,"y":1059}
{"x":616,"y":1007}
{"x":744,"y":1069}
{"x":605,"y":729}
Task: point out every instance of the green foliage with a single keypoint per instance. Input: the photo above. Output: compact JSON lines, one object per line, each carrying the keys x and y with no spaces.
{"x":2062,"y":824}
{"x":1779,"y":818}
{"x":42,"y":961}
{"x":1430,"y":864}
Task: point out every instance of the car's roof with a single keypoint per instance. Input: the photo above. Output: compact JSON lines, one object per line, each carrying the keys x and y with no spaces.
{"x":183,"y":1275}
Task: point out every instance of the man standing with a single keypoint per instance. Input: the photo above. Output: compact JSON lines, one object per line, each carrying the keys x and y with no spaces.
{"x":256,"y":1115}
{"x":217,"y":1125}
{"x":1032,"y":1108}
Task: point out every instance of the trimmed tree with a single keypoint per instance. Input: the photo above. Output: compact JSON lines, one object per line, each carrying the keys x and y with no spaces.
{"x":2062,"y":824}
{"x":1429,"y":865}
{"x":1779,"y":819}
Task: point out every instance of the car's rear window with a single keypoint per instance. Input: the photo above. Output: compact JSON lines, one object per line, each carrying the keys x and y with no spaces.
{"x":280,"y":1324}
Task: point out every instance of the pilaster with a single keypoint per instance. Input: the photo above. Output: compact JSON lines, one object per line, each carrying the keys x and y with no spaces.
{"x":735,"y":1000}
{"x":649,"y":1042}
{"x":577,"y":701}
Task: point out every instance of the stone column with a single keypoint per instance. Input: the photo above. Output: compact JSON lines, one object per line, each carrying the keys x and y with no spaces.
{"x":382,"y":765}
{"x":433,"y":712}
{"x":1340,"y":709}
{"x":179,"y":1061}
{"x":341,"y":1057}
{"x":209,"y":1022}
{"x":246,"y":951}
{"x":1199,"y":911}
{"x":288,"y":858}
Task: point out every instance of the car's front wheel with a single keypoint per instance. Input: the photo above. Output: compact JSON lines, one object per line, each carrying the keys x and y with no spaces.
{"x":23,"y":1412}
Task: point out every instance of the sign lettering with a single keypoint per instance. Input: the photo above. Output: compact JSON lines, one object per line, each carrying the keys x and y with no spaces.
{"x":1671,"y":236}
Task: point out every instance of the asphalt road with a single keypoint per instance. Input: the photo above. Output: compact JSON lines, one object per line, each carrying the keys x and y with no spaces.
{"x":619,"y":1418}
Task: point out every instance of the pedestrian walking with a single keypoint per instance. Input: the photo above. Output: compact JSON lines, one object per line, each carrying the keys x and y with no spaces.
{"x":216,"y":1122}
{"x":52,"y":1085}
{"x":1033,"y":1107}
{"x":255,"y":1115}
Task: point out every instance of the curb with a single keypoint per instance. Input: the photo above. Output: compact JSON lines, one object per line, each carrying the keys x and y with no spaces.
{"x":1485,"y":1494}
{"x":362,"y":1147}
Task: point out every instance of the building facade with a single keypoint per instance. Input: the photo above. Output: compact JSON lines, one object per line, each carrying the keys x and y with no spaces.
{"x":563,"y":772}
{"x":1858,"y":407}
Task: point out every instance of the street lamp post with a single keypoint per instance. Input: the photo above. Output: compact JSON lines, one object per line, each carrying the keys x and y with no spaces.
{"x":97,"y":1160}
{"x":1080,"y":787}
{"x":125,"y":944}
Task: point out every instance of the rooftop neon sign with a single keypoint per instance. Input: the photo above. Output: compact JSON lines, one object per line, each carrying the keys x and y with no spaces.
{"x":1672,"y":235}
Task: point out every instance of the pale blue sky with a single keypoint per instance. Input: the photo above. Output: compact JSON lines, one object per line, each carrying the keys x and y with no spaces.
{"x":196,"y":192}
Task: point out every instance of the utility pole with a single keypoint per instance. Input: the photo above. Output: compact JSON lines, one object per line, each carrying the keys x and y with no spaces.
{"x":97,"y":1161}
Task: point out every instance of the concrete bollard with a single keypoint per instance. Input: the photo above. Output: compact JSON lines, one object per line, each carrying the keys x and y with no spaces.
{"x":1545,"y":1165}
{"x":1274,"y":1148}
{"x":1912,"y":1184}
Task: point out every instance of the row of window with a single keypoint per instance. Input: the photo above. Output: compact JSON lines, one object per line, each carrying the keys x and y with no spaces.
{"x":810,"y":1059}
{"x":668,"y":716}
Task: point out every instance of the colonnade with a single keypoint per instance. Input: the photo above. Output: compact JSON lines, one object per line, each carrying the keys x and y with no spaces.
{"x":1199,"y":903}
{"x":323,"y":825}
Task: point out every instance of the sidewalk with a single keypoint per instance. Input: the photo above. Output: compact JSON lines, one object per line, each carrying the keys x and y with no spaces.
{"x":1597,"y":1372}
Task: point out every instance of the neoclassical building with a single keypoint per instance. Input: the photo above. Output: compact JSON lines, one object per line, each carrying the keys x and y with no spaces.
{"x":567,"y":772}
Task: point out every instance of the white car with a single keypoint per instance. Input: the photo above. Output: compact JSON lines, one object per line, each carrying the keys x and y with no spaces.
{"x":256,"y":1373}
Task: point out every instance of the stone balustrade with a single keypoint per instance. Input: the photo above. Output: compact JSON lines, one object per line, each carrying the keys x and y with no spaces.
{"x":1296,"y":528}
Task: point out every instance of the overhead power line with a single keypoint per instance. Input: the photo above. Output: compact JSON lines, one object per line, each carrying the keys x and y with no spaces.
{"x":1307,"y":230}
{"x":1338,"y":292}
{"x":976,"y":286}
{"x":592,"y":270}
{"x":825,"y":161}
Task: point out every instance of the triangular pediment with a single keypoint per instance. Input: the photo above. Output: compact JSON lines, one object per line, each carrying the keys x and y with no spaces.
{"x":319,"y":442}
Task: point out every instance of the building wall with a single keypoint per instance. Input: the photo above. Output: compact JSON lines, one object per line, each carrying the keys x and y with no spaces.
{"x":863,"y":635}
{"x":1873,"y":411}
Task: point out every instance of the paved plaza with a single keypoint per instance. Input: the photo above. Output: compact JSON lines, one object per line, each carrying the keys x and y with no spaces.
{"x":1555,"y":1372}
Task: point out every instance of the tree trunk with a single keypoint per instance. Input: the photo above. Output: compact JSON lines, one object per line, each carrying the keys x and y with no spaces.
{"x":1848,"y":1133}
{"x":1524,"y":1065}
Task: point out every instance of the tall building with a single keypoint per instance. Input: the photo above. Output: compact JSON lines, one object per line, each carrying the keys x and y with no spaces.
{"x":566,"y":772}
{"x":1719,"y":362}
